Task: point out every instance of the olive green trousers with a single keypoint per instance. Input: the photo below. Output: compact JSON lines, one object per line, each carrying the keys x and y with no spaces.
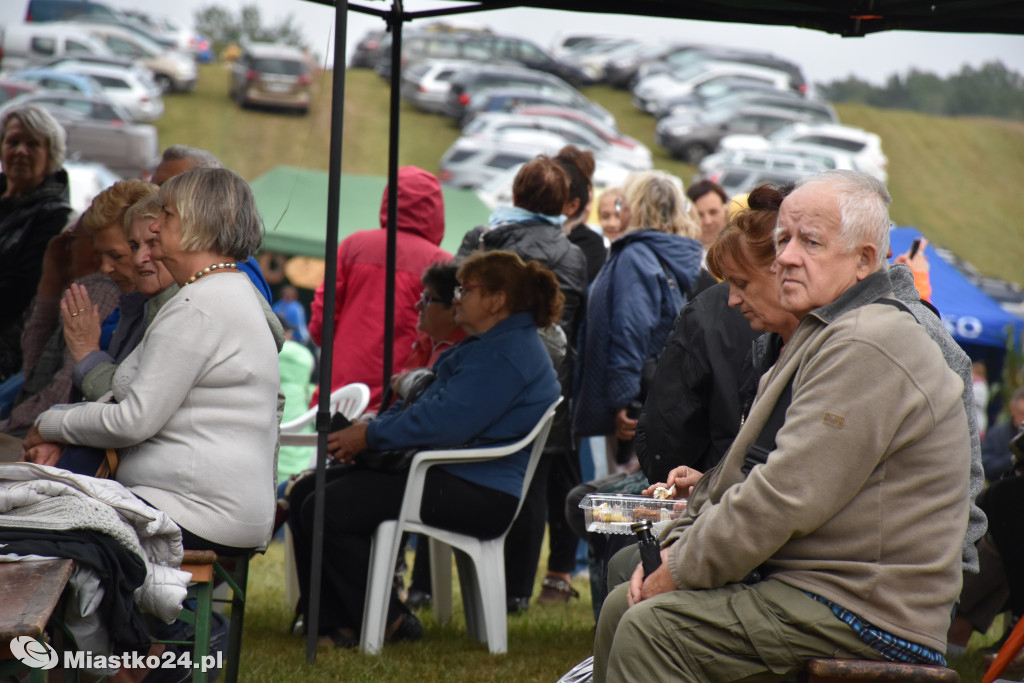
{"x":761,"y":632}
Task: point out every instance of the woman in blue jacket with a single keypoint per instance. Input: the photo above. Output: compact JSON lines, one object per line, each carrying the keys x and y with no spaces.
{"x":493,"y":387}
{"x":632,"y":304}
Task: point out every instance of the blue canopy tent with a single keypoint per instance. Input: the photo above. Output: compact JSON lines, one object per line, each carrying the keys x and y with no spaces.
{"x":975,"y":320}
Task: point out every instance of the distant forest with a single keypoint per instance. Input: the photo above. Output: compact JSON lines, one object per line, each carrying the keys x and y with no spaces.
{"x":992,"y":90}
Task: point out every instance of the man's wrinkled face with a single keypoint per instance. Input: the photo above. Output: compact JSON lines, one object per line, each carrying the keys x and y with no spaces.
{"x":812,"y":266}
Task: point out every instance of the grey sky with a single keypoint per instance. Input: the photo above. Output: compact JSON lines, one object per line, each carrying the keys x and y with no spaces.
{"x":823,"y":56}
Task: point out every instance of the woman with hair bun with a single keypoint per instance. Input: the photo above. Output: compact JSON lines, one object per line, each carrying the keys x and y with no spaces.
{"x":493,"y":387}
{"x":532,"y":228}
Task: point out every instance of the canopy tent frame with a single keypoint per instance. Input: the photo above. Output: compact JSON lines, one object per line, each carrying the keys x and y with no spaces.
{"x":848,"y":18}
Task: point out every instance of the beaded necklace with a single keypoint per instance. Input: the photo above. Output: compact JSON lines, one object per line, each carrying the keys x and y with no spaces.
{"x":209,"y":269}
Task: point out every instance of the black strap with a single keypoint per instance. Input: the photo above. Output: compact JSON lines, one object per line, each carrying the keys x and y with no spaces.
{"x":764,"y":444}
{"x":758,"y":452}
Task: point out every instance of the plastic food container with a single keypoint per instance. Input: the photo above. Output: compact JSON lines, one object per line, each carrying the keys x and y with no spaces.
{"x":610,"y":513}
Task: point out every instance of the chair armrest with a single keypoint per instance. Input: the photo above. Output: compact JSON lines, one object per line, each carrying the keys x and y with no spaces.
{"x":298,"y":423}
{"x":299,"y":439}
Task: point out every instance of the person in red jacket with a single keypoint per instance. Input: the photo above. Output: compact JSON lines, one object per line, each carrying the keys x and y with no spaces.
{"x":359,"y":303}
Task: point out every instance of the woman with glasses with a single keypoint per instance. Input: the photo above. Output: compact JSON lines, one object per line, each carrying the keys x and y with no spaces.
{"x":491,"y":388}
{"x":436,"y":326}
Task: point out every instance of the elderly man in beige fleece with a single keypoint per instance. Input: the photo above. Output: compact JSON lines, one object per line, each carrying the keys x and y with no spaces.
{"x":843,"y":538}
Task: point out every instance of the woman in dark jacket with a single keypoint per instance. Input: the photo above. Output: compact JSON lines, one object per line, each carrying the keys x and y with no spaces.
{"x":632,"y":304}
{"x":491,"y":388}
{"x":34,"y":207}
{"x":532,"y":228}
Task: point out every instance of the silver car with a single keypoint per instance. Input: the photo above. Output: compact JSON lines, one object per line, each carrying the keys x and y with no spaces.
{"x":271,"y":75}
{"x":470,"y":162}
{"x":99,"y":130}
{"x":425,"y":84}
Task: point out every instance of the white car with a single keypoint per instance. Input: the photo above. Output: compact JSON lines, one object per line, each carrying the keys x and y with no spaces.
{"x":471,"y":162}
{"x":496,"y":125}
{"x":651,"y":91}
{"x":86,"y":179}
{"x":864,"y":148}
{"x":498,"y":190}
{"x":139,"y":95}
{"x":425,"y":84}
{"x":173,"y":71}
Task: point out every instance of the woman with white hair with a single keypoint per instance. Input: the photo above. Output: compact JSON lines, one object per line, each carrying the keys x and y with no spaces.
{"x":34,"y":207}
{"x":636,"y":296}
{"x":195,"y":422}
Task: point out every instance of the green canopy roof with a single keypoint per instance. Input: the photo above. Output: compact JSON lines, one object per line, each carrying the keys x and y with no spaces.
{"x":293,"y":203}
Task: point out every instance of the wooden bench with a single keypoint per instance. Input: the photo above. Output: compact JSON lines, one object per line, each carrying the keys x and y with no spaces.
{"x":837,"y":670}
{"x":29,"y":592}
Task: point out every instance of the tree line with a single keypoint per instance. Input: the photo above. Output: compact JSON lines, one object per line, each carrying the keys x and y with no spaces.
{"x":991,"y":90}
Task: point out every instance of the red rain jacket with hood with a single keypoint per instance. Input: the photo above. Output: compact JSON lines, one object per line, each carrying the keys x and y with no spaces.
{"x":359,"y":302}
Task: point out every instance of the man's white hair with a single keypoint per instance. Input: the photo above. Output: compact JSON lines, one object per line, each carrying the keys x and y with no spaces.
{"x":863,"y":209}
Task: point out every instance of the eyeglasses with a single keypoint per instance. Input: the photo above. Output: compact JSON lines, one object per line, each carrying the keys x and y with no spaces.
{"x":462,"y":289}
{"x":425,"y":300}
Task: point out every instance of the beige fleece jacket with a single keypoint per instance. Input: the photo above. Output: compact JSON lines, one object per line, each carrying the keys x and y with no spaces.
{"x":864,"y":501}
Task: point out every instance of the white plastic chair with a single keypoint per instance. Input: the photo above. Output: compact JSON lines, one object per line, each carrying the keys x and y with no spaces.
{"x":350,"y":400}
{"x":481,"y":563}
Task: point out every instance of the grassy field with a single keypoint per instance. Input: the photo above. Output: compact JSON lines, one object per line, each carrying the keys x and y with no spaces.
{"x":542,"y":644}
{"x":956,"y":179}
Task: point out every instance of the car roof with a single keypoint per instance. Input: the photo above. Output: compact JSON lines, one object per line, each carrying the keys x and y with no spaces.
{"x":836,"y":129}
{"x":274,"y":50}
{"x":92,"y":59}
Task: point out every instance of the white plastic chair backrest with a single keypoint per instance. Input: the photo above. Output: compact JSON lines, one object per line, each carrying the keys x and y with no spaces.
{"x":350,"y":400}
{"x":542,"y":430}
{"x":413,"y":498}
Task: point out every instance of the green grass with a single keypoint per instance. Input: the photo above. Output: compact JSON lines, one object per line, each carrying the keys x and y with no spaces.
{"x":542,"y":644}
{"x":956,"y":179}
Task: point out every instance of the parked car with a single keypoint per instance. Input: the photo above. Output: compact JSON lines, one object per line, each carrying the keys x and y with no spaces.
{"x":686,"y":58}
{"x":468,"y":82}
{"x":367,"y":49}
{"x":98,"y":106}
{"x":97,"y":131}
{"x":498,"y":190}
{"x":830,"y":157}
{"x":173,"y":71}
{"x":692,"y":139}
{"x":593,"y":59}
{"x":11,"y":88}
{"x":27,"y":45}
{"x":815,"y":110}
{"x":169,"y":32}
{"x":425,"y":84}
{"x":139,"y":95}
{"x":610,"y":133}
{"x":496,"y":125}
{"x":650,"y":93}
{"x":470,"y":162}
{"x":478,"y":46}
{"x":742,"y":171}
{"x":619,"y":71}
{"x":86,"y":179}
{"x":865,"y":147}
{"x":55,"y":79}
{"x":509,"y":99}
{"x":271,"y":74}
{"x":704,"y":92}
{"x":62,"y":10}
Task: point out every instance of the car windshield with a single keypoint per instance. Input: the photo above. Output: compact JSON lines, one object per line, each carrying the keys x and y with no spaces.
{"x":284,"y":67}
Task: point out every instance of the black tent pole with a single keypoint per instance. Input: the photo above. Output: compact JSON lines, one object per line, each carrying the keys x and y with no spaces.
{"x":323,"y":416}
{"x":395,"y":20}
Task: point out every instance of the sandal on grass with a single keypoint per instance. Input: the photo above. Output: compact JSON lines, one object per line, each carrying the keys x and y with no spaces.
{"x":555,"y":589}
